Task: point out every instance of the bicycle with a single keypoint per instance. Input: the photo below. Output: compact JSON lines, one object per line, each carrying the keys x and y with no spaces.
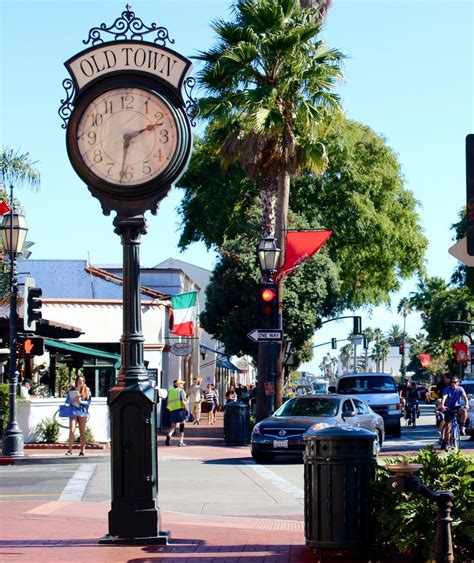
{"x":411,"y":412}
{"x":454,"y":440}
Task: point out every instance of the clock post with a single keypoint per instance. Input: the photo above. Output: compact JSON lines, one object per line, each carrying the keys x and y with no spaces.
{"x":129,"y":139}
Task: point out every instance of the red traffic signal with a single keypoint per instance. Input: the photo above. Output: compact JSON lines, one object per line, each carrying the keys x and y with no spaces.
{"x":268,"y":294}
{"x":401,"y":349}
{"x":267,"y":306}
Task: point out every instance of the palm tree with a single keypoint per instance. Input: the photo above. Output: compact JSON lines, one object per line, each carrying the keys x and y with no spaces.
{"x":369,"y":335}
{"x":380,"y":350}
{"x":345,"y":356}
{"x":322,"y":6}
{"x":270,"y":89}
{"x":395,"y":335}
{"x":16,"y":170}
{"x":404,"y":308}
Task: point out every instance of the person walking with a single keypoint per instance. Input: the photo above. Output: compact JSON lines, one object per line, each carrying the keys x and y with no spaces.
{"x":79,"y":397}
{"x":195,"y":400}
{"x":217,"y":404}
{"x":209,"y":397}
{"x":177,"y":408}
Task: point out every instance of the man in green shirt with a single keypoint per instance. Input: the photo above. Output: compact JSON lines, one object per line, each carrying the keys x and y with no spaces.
{"x":177,"y":408}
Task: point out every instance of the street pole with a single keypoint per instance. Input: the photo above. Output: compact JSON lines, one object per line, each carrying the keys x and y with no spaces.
{"x":134,"y":515}
{"x":13,"y":437}
{"x":355,"y":354}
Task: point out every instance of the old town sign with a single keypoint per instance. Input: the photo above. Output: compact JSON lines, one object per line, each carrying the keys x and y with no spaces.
{"x":128,"y":125}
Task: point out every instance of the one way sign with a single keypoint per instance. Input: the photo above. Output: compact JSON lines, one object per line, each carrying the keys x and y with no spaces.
{"x":266,"y":335}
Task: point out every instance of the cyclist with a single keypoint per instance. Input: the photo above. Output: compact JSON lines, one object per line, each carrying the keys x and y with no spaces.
{"x":454,"y":401}
{"x":412,"y":397}
{"x":403,"y":393}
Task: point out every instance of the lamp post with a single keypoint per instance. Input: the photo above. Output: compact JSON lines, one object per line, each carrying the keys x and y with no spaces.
{"x":268,"y":257}
{"x":14,"y":231}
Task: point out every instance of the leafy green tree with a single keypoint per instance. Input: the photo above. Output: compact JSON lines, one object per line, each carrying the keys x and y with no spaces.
{"x":360,"y":198}
{"x":270,"y":86}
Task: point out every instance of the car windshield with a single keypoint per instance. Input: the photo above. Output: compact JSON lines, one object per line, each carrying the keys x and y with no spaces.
{"x":308,"y":407}
{"x":468,"y":387}
{"x":363,"y":384}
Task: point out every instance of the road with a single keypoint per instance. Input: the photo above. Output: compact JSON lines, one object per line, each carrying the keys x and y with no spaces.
{"x":197,"y":480}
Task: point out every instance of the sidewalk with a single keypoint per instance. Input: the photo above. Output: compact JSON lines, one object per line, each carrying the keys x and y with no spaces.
{"x":69,"y":531}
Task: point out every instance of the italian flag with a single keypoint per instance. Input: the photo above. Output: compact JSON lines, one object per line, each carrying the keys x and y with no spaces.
{"x":184,"y":313}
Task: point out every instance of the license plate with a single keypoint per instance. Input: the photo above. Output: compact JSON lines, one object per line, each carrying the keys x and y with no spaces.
{"x":280,"y":444}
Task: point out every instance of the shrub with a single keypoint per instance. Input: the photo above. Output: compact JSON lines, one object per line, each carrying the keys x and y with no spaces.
{"x":47,"y":430}
{"x":89,"y":436}
{"x":406,"y":522}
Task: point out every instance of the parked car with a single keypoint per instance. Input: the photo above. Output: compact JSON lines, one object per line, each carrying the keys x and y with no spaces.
{"x":282,"y":433}
{"x":468,"y":386}
{"x":379,"y":391}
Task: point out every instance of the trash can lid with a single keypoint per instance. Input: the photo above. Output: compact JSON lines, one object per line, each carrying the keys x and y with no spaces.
{"x":340,"y":433}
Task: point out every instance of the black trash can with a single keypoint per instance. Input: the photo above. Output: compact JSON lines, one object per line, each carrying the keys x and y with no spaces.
{"x":338,"y":466}
{"x":237,"y":423}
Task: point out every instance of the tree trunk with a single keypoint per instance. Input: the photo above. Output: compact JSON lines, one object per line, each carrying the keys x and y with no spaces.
{"x":281,"y":225}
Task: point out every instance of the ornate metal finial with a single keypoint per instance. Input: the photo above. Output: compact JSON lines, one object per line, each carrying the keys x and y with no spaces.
{"x":66,"y":104}
{"x":128,"y":27}
{"x":192,"y":108}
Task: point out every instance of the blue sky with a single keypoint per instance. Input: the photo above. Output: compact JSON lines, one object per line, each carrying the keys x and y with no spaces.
{"x":408,"y":75}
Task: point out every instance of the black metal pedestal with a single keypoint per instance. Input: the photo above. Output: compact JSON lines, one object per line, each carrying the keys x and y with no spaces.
{"x":134,"y":516}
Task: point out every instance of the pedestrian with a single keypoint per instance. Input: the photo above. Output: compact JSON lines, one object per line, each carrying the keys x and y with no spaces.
{"x":195,"y":400}
{"x":177,"y":408}
{"x":209,"y":396}
{"x":217,"y":403}
{"x":79,"y":397}
{"x":231,"y":395}
{"x":25,"y":389}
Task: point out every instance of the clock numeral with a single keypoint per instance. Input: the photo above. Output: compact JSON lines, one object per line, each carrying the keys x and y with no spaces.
{"x":159,"y":118}
{"x":158,"y":155}
{"x":97,"y":156}
{"x":126,"y":173}
{"x":92,"y":138}
{"x":146,"y":167}
{"x":108,"y":106}
{"x":146,"y":106}
{"x":164,"y":136}
{"x":97,"y":119}
{"x":110,"y":166}
{"x":127,"y":101}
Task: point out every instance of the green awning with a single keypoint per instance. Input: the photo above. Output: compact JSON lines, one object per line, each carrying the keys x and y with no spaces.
{"x":83,"y":350}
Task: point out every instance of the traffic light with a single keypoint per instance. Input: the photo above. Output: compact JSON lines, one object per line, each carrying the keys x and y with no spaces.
{"x":401,"y":349}
{"x":357,"y":329}
{"x":32,"y":309}
{"x":267,"y":306}
{"x":470,"y":194}
{"x":334,"y":343}
{"x":32,"y":345}
{"x":365,"y":343}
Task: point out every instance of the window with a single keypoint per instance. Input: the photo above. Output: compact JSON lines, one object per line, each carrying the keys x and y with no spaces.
{"x":361,"y":408}
{"x":308,"y":407}
{"x":347,"y":406}
{"x":367,"y":384}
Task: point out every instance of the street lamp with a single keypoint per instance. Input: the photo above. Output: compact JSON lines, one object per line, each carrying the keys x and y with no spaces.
{"x":14,"y":231}
{"x":268,"y":257}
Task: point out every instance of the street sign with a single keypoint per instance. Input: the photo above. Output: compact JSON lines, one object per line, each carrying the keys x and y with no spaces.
{"x":266,"y":335}
{"x":460,"y":251}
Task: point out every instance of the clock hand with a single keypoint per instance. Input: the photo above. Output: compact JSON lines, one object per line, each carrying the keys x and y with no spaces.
{"x":136,"y":133}
{"x":126,"y":144}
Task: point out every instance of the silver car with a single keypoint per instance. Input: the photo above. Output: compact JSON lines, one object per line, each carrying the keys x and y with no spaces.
{"x":282,"y":433}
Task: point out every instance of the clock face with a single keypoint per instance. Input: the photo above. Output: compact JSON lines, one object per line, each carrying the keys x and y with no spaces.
{"x":127,"y":136}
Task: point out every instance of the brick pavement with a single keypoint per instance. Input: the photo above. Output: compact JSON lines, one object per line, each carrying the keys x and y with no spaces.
{"x":69,"y":531}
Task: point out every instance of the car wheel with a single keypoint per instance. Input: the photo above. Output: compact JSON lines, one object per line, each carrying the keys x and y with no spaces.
{"x":262,"y":457}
